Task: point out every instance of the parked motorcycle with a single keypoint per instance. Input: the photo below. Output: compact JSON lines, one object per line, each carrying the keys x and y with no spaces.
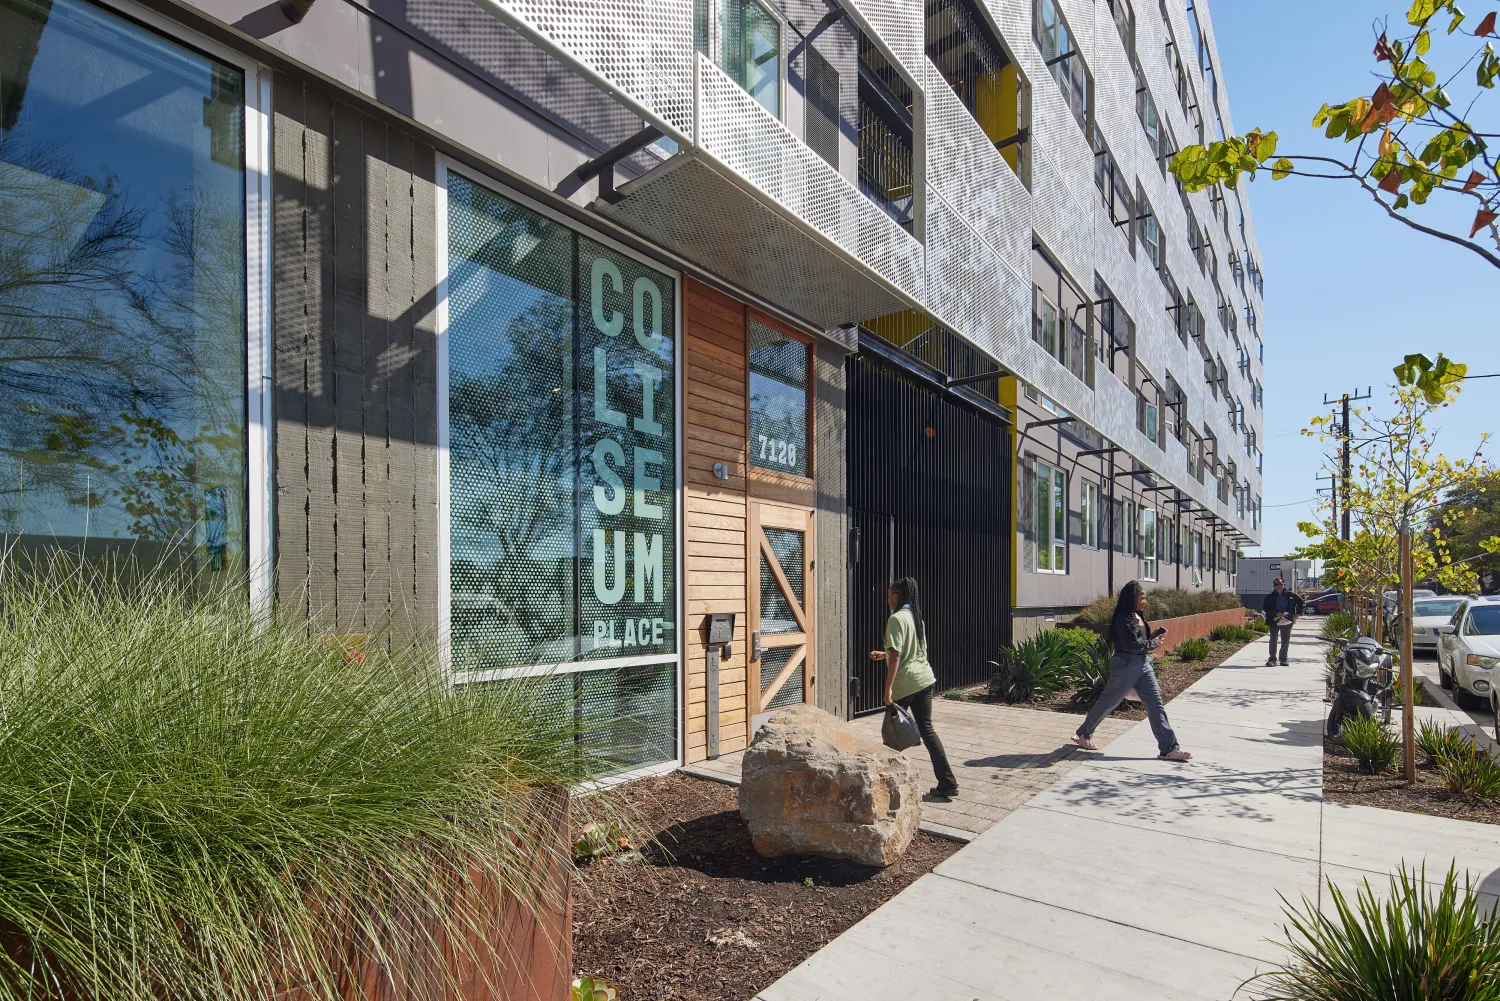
{"x":1361,"y":682}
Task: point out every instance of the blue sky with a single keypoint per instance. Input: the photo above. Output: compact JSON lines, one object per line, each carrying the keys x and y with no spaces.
{"x":1348,"y":291}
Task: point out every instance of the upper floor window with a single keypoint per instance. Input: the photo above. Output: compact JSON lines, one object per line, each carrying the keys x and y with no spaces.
{"x":1177,"y":314}
{"x":1150,"y":232}
{"x":1115,"y":331}
{"x":1059,"y":315}
{"x":1174,"y":407}
{"x":1060,"y":53}
{"x":1148,"y":544}
{"x":974,"y":61}
{"x":1148,"y":413}
{"x":886,"y":164}
{"x":1124,"y":17}
{"x":1114,"y":190}
{"x":1145,"y":109}
{"x":752,"y":51}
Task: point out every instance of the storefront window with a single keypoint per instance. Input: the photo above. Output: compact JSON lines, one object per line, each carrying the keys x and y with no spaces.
{"x":122,"y":292}
{"x":562,"y":466}
{"x":779,"y":366}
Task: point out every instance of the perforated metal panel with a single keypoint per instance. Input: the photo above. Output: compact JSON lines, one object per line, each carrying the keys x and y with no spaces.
{"x":643,"y":47}
{"x":741,"y":135}
{"x":748,"y":242}
{"x":971,"y":289}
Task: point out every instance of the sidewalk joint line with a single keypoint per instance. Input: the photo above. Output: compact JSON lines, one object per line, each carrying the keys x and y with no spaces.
{"x":1100,"y":917}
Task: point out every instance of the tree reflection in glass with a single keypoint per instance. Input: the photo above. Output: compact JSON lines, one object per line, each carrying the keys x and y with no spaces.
{"x":122,"y":291}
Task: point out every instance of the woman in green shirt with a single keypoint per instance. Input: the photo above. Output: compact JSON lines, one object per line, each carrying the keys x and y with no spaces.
{"x":909,"y":681}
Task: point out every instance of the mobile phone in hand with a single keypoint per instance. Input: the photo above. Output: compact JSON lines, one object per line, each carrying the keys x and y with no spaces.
{"x":1160,"y":631}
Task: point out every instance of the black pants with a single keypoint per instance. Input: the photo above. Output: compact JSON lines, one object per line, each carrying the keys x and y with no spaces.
{"x":920,"y":704}
{"x":1285,"y":635}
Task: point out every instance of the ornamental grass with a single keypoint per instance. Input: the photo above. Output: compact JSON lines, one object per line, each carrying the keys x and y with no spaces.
{"x":200,"y":805}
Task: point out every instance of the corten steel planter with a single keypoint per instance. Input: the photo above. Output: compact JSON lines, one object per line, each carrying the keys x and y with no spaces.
{"x":519,"y":950}
{"x":1182,"y":627}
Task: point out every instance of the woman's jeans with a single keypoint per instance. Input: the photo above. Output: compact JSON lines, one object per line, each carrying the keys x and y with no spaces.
{"x":920,"y":704}
{"x":1127,"y":671}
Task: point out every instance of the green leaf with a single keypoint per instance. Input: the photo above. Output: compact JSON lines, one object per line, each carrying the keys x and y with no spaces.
{"x":1321,"y":116}
{"x":1458,"y":18}
{"x":1421,"y":10}
{"x":1401,"y":202}
{"x":1267,"y":147}
{"x":1422,"y":43}
{"x":1281,"y":168}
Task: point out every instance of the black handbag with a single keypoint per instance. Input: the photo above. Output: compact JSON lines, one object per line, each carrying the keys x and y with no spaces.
{"x":899,"y":731}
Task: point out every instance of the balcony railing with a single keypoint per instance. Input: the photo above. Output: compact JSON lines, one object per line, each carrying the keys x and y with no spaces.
{"x":885,"y":167}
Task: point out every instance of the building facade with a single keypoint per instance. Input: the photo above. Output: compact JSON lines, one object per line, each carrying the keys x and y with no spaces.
{"x":631,"y":346}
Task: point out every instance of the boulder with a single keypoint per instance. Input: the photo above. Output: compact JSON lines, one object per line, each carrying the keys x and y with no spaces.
{"x":812,"y":785}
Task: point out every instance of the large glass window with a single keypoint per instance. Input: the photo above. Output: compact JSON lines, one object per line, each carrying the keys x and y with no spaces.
{"x":1051,"y":519}
{"x":752,"y":51}
{"x":122,"y":292}
{"x":779,"y":369}
{"x":562,"y":452}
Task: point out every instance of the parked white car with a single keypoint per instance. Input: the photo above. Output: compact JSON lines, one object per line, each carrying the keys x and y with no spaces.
{"x":1469,"y":652}
{"x":1428,"y":614}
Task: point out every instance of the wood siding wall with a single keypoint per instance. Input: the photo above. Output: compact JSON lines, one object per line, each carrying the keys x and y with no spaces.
{"x":354,"y":366}
{"x":716,"y":388}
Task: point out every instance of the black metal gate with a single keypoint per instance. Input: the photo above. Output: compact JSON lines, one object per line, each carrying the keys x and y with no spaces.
{"x":929,"y":497}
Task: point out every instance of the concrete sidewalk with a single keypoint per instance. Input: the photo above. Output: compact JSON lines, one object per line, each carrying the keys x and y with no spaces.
{"x":1135,"y":878}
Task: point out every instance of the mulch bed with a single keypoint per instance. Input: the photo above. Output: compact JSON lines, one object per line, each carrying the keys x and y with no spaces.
{"x":697,"y":915}
{"x":1344,"y":781}
{"x":1173,"y":676}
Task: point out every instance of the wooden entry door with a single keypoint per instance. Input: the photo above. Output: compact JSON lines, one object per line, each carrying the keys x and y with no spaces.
{"x":782,"y":609}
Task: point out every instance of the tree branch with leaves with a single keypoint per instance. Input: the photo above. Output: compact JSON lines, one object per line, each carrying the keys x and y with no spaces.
{"x":1412,"y":138}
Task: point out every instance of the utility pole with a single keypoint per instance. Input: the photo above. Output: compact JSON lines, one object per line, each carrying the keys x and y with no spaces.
{"x":1345,"y":434}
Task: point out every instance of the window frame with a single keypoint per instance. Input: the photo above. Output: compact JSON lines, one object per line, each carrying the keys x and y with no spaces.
{"x":1088,"y":513}
{"x":1055,"y":483}
{"x":444,"y":167}
{"x":259,"y":483}
{"x":775,"y":17}
{"x":1063,"y":61}
{"x":1150,"y":545}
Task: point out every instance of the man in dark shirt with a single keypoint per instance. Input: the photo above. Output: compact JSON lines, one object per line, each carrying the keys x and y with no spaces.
{"x":1282,"y":608}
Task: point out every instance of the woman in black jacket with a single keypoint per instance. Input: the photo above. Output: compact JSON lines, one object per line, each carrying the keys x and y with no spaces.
{"x":1130,"y":669}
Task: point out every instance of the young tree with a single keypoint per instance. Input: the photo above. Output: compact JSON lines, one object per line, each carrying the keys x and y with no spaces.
{"x":1399,"y":478}
{"x":1412,"y":138}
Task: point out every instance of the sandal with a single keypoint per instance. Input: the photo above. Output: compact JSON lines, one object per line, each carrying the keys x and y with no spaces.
{"x":1086,"y":743}
{"x":1176,"y":754}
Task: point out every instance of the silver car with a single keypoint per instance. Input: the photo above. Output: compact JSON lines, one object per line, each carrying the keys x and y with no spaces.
{"x":1469,"y":652}
{"x":1428,"y":614}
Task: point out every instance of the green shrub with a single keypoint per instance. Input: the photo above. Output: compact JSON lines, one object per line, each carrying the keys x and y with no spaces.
{"x":1434,"y":738}
{"x":196,"y":803}
{"x":1257,"y":627}
{"x":1471,"y":772}
{"x":1231,"y":634}
{"x":1338,"y":625}
{"x":1034,"y":668}
{"x":1414,"y":945}
{"x":1192,"y":649}
{"x":1083,"y":644}
{"x":1373,"y":745}
{"x":1421,"y":697}
{"x":1098,"y":611}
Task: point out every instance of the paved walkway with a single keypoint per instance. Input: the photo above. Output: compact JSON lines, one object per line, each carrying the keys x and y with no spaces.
{"x":1131,"y":878}
{"x":1002,"y":757}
